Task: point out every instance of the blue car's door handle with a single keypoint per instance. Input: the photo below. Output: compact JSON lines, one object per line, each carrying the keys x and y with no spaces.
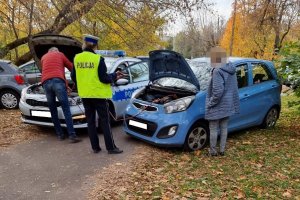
{"x":244,"y":97}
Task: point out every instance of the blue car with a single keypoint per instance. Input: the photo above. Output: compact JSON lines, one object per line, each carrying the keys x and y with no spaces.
{"x":170,"y":110}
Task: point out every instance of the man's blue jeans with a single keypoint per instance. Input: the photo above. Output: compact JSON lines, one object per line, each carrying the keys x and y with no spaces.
{"x":56,"y":87}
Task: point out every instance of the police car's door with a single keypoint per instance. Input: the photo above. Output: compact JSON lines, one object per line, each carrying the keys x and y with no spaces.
{"x":138,"y":76}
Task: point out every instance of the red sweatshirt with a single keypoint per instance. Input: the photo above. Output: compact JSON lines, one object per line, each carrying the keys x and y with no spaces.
{"x":53,"y":65}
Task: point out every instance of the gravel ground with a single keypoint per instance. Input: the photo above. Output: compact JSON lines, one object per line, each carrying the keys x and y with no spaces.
{"x":13,"y":131}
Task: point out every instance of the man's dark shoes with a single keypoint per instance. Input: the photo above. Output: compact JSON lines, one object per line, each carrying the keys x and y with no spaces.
{"x":74,"y":139}
{"x":115,"y":151}
{"x":61,"y":137}
{"x":222,"y":153}
{"x":97,"y":150}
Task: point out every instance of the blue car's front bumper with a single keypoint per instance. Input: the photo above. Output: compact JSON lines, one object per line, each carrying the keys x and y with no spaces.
{"x":158,"y":121}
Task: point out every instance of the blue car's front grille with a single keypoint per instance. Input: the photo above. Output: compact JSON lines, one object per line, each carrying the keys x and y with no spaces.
{"x":151,"y":127}
{"x":33,"y":102}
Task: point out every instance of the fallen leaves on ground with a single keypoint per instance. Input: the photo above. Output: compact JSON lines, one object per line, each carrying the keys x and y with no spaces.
{"x":259,"y":164}
{"x":13,"y":131}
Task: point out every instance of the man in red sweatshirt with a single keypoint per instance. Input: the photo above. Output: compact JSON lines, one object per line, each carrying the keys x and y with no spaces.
{"x":54,"y":84}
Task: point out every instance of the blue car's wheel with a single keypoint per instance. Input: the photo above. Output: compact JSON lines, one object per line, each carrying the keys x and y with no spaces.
{"x":270,"y":118}
{"x":197,"y":137}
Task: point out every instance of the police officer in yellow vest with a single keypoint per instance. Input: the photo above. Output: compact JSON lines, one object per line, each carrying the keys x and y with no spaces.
{"x":94,"y":87}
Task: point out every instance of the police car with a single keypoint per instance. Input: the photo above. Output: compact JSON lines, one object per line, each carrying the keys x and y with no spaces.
{"x":33,"y":103}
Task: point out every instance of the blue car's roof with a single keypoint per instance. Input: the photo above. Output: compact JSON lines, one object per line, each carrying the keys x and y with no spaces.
{"x":231,"y":59}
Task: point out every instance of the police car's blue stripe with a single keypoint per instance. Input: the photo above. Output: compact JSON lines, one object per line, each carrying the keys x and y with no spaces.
{"x":123,"y":94}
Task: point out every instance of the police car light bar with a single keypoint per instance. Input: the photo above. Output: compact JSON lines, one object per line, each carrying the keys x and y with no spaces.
{"x":111,"y":53}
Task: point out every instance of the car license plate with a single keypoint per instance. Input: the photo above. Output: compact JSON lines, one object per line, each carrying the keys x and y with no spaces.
{"x":138,"y":124}
{"x":38,"y":113}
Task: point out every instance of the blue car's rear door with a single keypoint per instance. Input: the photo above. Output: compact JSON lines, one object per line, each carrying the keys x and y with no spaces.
{"x":261,"y":92}
{"x":264,"y":90}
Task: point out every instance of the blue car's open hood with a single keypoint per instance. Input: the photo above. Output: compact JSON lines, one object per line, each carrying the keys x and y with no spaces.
{"x":165,"y":63}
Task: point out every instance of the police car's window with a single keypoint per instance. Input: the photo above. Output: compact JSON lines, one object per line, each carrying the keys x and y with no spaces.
{"x":139,"y":72}
{"x":29,"y":69}
{"x":109,"y":63}
{"x":122,"y":67}
{"x":260,"y":73}
{"x":242,"y":75}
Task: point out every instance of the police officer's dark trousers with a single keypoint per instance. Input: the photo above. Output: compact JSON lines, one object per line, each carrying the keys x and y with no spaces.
{"x":91,"y":106}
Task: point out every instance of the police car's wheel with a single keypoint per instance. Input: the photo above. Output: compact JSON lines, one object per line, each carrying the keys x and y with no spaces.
{"x":9,"y":99}
{"x":270,"y":118}
{"x":197,"y":137}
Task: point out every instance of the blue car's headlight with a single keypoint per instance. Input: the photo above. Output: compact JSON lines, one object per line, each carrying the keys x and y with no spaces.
{"x":179,"y":104}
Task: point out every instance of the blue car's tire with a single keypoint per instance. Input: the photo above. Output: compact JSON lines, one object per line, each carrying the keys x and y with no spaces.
{"x":197,"y":137}
{"x":270,"y":118}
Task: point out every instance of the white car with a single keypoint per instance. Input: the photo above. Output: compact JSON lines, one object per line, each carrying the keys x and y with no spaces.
{"x":33,"y":103}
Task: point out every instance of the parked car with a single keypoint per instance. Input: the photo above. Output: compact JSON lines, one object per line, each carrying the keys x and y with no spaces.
{"x":170,"y":110}
{"x":143,"y":58}
{"x":11,"y":85}
{"x":33,"y":104}
{"x":31,"y":72}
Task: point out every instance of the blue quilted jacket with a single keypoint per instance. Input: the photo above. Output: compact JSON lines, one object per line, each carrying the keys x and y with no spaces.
{"x":222,"y":99}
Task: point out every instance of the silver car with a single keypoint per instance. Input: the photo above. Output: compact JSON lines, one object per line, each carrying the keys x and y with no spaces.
{"x":33,"y":103}
{"x":11,"y":84}
{"x":31,"y":72}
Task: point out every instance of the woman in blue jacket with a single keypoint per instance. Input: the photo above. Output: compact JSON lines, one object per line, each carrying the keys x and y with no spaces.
{"x":222,"y":99}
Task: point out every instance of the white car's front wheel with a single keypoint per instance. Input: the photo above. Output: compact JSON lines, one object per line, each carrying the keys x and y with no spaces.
{"x":9,"y":99}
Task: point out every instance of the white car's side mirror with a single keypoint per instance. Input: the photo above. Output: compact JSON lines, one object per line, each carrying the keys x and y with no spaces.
{"x":122,"y":81}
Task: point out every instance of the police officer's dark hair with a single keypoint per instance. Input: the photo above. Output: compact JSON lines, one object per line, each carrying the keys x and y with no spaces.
{"x":89,"y":45}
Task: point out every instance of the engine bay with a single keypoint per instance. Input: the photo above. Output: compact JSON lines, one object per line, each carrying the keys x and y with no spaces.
{"x":162,"y":95}
{"x":38,"y":89}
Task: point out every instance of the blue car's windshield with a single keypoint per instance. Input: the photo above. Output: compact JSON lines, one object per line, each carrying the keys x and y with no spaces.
{"x":202,"y":72}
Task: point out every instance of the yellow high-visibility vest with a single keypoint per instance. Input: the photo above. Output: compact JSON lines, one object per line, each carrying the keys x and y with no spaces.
{"x":88,"y":84}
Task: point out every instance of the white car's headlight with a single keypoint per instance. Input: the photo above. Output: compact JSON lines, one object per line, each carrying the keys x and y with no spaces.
{"x":75,"y":101}
{"x":23,"y":94}
{"x":179,"y":104}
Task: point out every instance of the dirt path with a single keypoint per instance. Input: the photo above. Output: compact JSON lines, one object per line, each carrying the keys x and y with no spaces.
{"x":13,"y":131}
{"x":45,"y":168}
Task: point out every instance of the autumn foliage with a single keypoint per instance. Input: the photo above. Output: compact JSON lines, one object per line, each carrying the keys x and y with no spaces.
{"x":261,"y":28}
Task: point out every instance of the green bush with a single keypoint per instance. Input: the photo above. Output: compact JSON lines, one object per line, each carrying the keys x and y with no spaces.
{"x":289,"y":68}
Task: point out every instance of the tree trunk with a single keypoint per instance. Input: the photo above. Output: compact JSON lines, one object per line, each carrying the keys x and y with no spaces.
{"x":277,"y":43}
{"x":65,"y":17}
